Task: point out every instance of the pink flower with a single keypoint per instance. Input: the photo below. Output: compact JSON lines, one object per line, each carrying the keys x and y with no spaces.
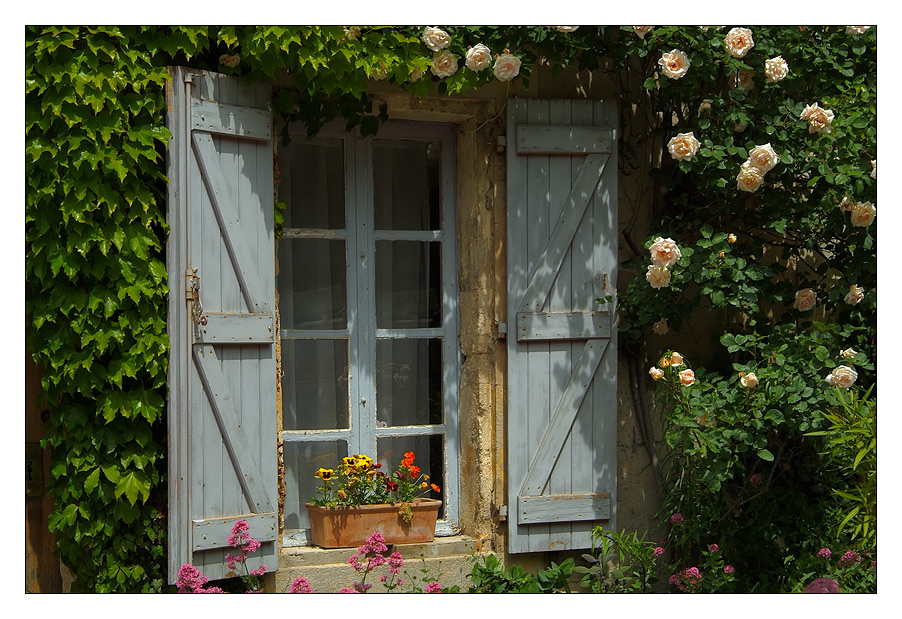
{"x":713,"y":547}
{"x":658,"y":552}
{"x":849,"y":558}
{"x":260,"y":571}
{"x":433,"y":587}
{"x":210,"y":590}
{"x":755,"y":479}
{"x":823,"y":585}
{"x":728,"y":569}
{"x":824,"y":553}
{"x":190,"y":579}
{"x":346,"y":590}
{"x":301,"y":585}
{"x":677,"y":519}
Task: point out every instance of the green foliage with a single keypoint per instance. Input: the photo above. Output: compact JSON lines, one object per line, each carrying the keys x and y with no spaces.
{"x":618,"y":563}
{"x":851,"y":448}
{"x":490,"y":576}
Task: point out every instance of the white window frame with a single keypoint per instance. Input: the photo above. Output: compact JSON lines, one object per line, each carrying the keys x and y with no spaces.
{"x":360,"y":236}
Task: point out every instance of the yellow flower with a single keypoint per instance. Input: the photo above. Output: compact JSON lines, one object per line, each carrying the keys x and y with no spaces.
{"x":324,"y":474}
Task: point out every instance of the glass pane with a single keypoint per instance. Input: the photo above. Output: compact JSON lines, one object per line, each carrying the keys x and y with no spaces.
{"x":429,"y":452}
{"x":408,"y":284}
{"x":406,"y":178}
{"x":312,"y":284}
{"x":312,"y":183}
{"x":302,"y":460}
{"x":408,"y":382}
{"x":314,"y":384}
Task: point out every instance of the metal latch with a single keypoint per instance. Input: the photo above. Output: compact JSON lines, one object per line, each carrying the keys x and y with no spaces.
{"x":192,"y":295}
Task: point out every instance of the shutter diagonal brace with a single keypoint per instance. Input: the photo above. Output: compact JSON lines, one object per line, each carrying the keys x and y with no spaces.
{"x":234,"y":439}
{"x":226,"y":216}
{"x":549,"y":263}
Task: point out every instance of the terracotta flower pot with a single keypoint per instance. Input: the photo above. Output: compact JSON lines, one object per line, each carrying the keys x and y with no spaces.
{"x":346,"y":527}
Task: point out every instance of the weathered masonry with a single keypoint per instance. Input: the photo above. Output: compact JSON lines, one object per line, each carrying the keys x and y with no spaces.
{"x":446,"y":286}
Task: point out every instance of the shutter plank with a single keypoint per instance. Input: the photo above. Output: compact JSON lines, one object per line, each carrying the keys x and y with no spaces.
{"x":232,"y":120}
{"x":564,"y":507}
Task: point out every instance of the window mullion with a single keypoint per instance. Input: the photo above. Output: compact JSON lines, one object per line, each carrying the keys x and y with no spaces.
{"x":364,"y":263}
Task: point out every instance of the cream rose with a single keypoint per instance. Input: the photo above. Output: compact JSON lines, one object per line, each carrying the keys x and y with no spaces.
{"x":379,"y":72}
{"x":704,"y":106}
{"x":687,"y":377}
{"x":764,"y":158}
{"x":444,"y":64}
{"x":862,"y":214}
{"x":846,"y":205}
{"x":749,"y":380}
{"x":683,"y":146}
{"x":655,"y":373}
{"x":874,"y":169}
{"x":435,"y":38}
{"x":661,"y":327}
{"x":664,"y":252}
{"x":641,"y":31}
{"x":507,"y":67}
{"x":478,"y":57}
{"x":743,"y":78}
{"x":416,"y":74}
{"x":658,"y":277}
{"x":749,"y":178}
{"x":805,"y":299}
{"x":818,"y":118}
{"x":731,"y":238}
{"x":848,"y":353}
{"x":738,"y":42}
{"x":566,"y":28}
{"x":674,"y":64}
{"x":230,"y":60}
{"x":855,"y":295}
{"x":857,"y":29}
{"x":676,"y":359}
{"x":842,"y":377}
{"x":775,"y":69}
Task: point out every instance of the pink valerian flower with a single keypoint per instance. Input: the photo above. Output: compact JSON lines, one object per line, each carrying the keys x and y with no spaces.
{"x":260,"y":571}
{"x":677,"y":519}
{"x":209,"y":590}
{"x":433,"y":587}
{"x":688,"y":579}
{"x":756,"y":479}
{"x":301,"y":585}
{"x":728,"y":569}
{"x":190,"y":579}
{"x":713,"y":547}
{"x":823,"y":585}
{"x":850,"y":557}
{"x":657,"y":552}
{"x":824,"y":553}
{"x":347,"y":590}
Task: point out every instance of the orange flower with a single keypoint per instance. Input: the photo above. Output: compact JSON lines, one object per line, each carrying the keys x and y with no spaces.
{"x":414,"y":471}
{"x":424,"y":485}
{"x":409,"y":454}
{"x":435,"y":488}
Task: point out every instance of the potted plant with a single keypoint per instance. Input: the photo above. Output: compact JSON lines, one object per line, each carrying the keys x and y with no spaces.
{"x":357,"y":498}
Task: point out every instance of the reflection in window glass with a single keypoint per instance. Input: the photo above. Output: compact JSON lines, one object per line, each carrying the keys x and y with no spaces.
{"x":313,"y":284}
{"x":302,"y":460}
{"x":315,"y":384}
{"x":406,"y":184}
{"x":408,"y":284}
{"x":408,"y":382}
{"x":312,"y":183}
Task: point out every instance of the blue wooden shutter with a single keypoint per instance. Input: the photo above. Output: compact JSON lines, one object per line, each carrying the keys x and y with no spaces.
{"x":223,"y":460}
{"x":562,"y":357}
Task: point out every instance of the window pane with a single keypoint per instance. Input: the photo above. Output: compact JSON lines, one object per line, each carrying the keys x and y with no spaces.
{"x":429,"y":452}
{"x":313,"y":184}
{"x":406,"y":182}
{"x":312,"y":284}
{"x":408,"y":382}
{"x":302,"y":460}
{"x":315,"y":384}
{"x":408,"y":284}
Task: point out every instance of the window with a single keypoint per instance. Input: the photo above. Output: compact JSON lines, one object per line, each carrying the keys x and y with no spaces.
{"x":367,"y":295}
